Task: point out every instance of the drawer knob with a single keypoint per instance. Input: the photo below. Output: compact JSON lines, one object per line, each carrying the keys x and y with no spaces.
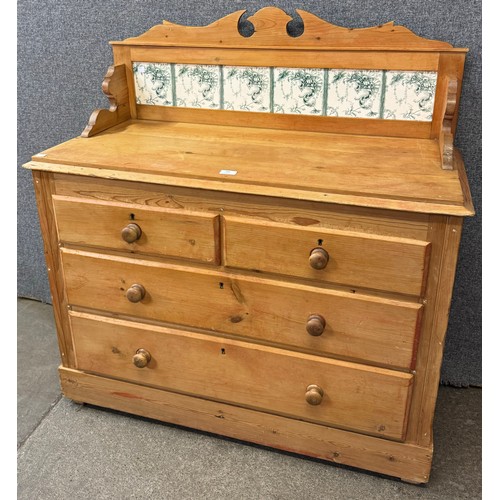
{"x":318,"y":259}
{"x":314,"y":394}
{"x":136,"y":293}
{"x":141,"y":358}
{"x":315,"y":325}
{"x":131,"y":233}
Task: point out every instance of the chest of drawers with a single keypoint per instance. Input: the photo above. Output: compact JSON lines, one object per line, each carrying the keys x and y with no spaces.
{"x":263,"y":273}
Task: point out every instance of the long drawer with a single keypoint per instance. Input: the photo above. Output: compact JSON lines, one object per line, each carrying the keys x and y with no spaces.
{"x":367,"y":399}
{"x":138,"y":229}
{"x":356,"y":326}
{"x":344,"y":257}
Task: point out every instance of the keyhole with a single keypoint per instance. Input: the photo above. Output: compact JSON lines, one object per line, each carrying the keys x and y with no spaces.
{"x":320,"y":242}
{"x":221,"y":285}
{"x":132,"y":216}
{"x":223,"y":351}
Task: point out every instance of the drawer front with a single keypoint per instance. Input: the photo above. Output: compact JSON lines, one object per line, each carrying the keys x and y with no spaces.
{"x":356,"y":326}
{"x":169,"y":232}
{"x":354,"y":259}
{"x":366,"y":399}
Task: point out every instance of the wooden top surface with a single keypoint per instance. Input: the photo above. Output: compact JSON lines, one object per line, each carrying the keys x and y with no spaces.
{"x":383,"y":172}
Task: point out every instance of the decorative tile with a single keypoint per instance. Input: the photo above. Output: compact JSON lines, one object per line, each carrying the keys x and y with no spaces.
{"x":409,"y":95}
{"x":298,"y":91}
{"x":247,"y":88}
{"x":396,"y":95}
{"x":198,"y":86}
{"x":153,"y":83}
{"x":354,"y":93}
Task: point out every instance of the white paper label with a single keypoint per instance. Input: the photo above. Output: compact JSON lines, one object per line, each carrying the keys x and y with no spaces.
{"x":228,"y":172}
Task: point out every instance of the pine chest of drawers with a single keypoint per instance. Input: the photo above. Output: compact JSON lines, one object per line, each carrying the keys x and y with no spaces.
{"x":259,"y":237}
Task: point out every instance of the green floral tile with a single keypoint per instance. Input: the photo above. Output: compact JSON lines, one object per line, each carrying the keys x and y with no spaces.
{"x":354,"y":93}
{"x":298,"y":91}
{"x":153,"y":83}
{"x":198,"y":86}
{"x":396,"y":95}
{"x":247,"y":88}
{"x":409,"y":95}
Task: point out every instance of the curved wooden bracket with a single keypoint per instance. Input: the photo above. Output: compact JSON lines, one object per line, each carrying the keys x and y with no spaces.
{"x":115,"y":88}
{"x":270,"y":30}
{"x":446,"y":137}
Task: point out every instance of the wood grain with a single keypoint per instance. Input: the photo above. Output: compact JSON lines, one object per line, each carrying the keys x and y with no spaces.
{"x":270,"y":31}
{"x":188,"y":235}
{"x":115,"y":88}
{"x":356,"y":259}
{"x":278,"y":121}
{"x":358,"y":326}
{"x":319,"y":166}
{"x":291,"y":58}
{"x":327,"y":443}
{"x":236,"y":351}
{"x":351,"y":200}
{"x":295,"y":212}
{"x":44,"y":188}
{"x":444,"y":233}
{"x":368,"y":399}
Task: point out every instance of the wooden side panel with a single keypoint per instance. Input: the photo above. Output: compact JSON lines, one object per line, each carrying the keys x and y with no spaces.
{"x":444,"y":233}
{"x":44,"y":187}
{"x":409,"y":462}
{"x":115,"y":87}
{"x":358,"y":326}
{"x":358,"y":260}
{"x":451,"y":69}
{"x":368,"y":399}
{"x":188,"y":235}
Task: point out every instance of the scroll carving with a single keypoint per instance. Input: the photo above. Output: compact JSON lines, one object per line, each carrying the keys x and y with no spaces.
{"x":446,"y":130}
{"x":270,"y":30}
{"x":115,"y":88}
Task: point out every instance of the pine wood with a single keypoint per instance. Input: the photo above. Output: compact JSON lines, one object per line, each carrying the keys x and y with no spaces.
{"x":306,"y":123}
{"x":319,"y":166}
{"x":256,"y":308}
{"x":327,"y":443}
{"x":300,"y":304}
{"x":44,"y":187}
{"x":294,"y":212}
{"x":188,"y":235}
{"x":270,"y":31}
{"x":368,"y":399}
{"x":356,"y":259}
{"x":115,"y":88}
{"x":345,"y":59}
{"x":444,"y":232}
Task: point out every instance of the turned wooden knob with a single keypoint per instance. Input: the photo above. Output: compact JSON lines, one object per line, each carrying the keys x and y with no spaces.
{"x":314,"y":394}
{"x":318,"y":259}
{"x":315,"y":325}
{"x":141,"y":358}
{"x":131,"y":233}
{"x":136,"y":293}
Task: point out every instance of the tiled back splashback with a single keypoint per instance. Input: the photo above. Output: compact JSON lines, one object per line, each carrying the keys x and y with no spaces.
{"x":397,"y":95}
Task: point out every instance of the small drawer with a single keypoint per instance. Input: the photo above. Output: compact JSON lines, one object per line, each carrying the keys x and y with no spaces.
{"x":327,"y":391}
{"x":307,"y":318}
{"x":347,"y":258}
{"x":138,"y":229}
